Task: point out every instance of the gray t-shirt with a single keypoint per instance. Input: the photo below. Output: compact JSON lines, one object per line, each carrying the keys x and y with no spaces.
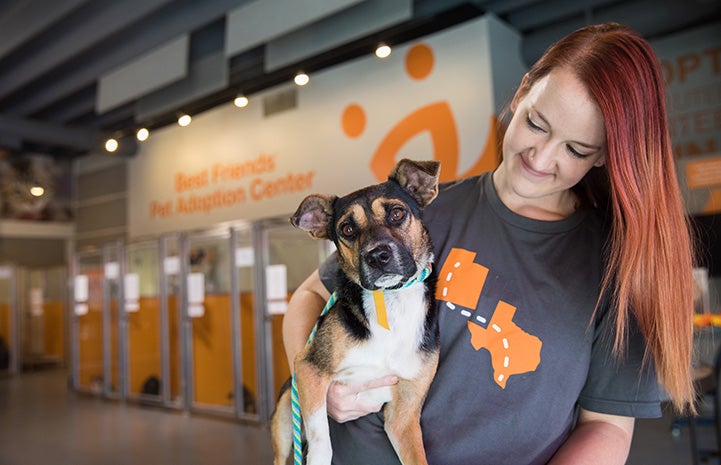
{"x":520,"y":345}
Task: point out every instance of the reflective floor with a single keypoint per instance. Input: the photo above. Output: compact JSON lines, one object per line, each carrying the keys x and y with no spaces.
{"x":42,"y":422}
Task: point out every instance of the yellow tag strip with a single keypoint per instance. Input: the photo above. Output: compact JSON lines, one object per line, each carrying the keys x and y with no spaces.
{"x":381,"y":313}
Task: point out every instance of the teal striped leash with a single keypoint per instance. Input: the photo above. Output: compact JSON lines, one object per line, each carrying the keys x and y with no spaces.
{"x":294,"y":402}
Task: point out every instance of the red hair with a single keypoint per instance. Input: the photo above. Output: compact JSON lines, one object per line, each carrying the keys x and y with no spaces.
{"x":650,"y":252}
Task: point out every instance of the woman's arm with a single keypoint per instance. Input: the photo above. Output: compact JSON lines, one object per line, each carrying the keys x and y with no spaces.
{"x":597,"y":439}
{"x":304,"y":307}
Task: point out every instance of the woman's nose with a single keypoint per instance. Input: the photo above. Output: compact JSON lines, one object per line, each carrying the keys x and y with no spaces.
{"x":541,"y":156}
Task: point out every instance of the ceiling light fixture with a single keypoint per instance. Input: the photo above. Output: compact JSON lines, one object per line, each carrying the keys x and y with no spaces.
{"x":111,"y":145}
{"x":37,"y":191}
{"x":240,"y":101}
{"x":142,"y":134}
{"x":184,"y":120}
{"x":301,"y":79}
{"x":383,"y":51}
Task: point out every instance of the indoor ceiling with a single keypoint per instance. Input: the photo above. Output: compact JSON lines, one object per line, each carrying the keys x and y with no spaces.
{"x":56,"y":56}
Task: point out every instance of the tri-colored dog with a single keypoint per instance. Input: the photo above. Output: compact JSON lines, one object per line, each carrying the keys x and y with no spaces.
{"x":384,"y":319}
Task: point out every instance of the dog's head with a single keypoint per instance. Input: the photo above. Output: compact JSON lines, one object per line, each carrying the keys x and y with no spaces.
{"x":377,"y":230}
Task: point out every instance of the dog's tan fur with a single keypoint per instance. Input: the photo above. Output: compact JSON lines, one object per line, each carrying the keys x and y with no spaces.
{"x":381,"y":243}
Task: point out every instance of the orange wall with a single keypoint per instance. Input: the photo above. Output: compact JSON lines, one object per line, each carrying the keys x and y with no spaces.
{"x":212,"y":348}
{"x":54,"y":328}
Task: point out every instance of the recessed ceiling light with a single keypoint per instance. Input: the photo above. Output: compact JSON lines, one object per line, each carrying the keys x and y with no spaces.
{"x":184,"y":120}
{"x":301,"y":79}
{"x":383,"y":51}
{"x":240,"y":101}
{"x":111,"y":145}
{"x":142,"y":134}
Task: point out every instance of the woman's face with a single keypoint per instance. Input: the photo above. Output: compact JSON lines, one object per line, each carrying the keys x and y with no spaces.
{"x":555,"y":137}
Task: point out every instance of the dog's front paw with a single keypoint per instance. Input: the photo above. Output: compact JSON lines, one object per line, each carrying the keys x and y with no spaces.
{"x":320,"y":455}
{"x":317,"y":434}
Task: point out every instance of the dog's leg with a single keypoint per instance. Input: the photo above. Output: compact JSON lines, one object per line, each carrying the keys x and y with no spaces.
{"x":282,"y":429}
{"x":403,"y":415}
{"x":312,"y":390}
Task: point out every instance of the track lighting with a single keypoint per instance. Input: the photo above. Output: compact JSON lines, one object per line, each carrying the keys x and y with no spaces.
{"x":301,"y":79}
{"x":111,"y":145}
{"x":184,"y":120}
{"x":240,"y":101}
{"x":383,"y":51}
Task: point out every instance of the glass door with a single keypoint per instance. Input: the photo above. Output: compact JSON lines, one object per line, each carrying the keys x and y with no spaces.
{"x":289,"y":257}
{"x":208,"y":322}
{"x":44,"y":323}
{"x":246,"y":325}
{"x":143,"y":322}
{"x":114,"y":327}
{"x":172,"y":336}
{"x":87,"y":327}
{"x":9,"y":343}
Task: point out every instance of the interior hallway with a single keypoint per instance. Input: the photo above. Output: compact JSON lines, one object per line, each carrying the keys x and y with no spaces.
{"x":41,"y":421}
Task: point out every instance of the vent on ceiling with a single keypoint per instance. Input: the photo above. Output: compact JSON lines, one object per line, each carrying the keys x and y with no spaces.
{"x":280,"y":101}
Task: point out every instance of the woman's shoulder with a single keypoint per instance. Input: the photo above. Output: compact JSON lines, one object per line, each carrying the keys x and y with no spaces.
{"x":455,"y":197}
{"x":459,"y":190}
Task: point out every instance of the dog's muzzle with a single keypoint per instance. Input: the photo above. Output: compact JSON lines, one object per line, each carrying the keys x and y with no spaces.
{"x":386,"y":264}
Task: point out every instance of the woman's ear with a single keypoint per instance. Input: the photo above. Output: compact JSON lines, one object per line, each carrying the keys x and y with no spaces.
{"x":600,"y":162}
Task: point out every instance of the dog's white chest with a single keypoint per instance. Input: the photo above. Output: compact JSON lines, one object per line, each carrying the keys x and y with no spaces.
{"x":393,"y":350}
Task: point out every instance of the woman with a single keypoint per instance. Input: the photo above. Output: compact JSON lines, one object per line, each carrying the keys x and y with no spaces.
{"x":577,"y":247}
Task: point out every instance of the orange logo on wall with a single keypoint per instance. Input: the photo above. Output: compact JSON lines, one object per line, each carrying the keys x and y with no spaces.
{"x":513,"y":351}
{"x":436,"y":119}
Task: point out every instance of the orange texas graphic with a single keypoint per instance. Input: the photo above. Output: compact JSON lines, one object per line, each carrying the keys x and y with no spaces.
{"x":512,"y":350}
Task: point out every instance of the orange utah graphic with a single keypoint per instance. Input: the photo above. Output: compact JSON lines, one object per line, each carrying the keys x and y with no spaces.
{"x":435,"y":118}
{"x":513,"y":351}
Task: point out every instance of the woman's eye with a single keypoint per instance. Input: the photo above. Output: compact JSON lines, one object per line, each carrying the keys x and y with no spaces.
{"x":347,"y":230}
{"x":532,"y":125}
{"x":397,"y":215}
{"x":575,"y":152}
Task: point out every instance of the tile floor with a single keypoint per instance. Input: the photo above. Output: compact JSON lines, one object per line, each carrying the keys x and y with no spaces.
{"x":42,"y":422}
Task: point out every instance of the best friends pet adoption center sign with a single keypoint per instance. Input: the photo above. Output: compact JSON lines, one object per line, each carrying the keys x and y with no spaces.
{"x":435,"y":98}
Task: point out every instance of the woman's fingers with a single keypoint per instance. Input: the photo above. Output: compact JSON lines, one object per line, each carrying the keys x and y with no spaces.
{"x":345,"y":402}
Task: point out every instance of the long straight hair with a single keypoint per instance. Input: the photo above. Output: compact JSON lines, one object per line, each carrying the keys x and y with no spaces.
{"x":649,"y":250}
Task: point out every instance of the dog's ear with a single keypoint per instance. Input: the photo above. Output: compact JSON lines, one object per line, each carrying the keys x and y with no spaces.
{"x":314,"y":215}
{"x":418,"y":178}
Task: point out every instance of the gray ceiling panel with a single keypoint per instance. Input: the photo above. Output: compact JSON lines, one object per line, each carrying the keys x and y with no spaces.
{"x":54,"y":53}
{"x":158,"y":68}
{"x":205,"y":76}
{"x":23,"y":20}
{"x":94,"y":25}
{"x":361,"y":20}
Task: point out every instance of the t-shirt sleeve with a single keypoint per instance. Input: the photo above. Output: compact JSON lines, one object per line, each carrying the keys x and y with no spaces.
{"x":626,"y":384}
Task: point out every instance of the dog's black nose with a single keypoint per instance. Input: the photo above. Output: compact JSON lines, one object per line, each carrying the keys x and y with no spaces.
{"x":380,"y":256}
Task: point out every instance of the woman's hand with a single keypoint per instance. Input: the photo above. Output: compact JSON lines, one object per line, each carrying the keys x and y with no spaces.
{"x":345,"y":403}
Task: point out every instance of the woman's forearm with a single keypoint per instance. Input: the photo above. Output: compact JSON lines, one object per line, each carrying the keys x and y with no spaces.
{"x":304,"y":307}
{"x":598,"y":439}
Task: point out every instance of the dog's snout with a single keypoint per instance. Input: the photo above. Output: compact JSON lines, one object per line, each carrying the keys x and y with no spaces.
{"x":380,"y":256}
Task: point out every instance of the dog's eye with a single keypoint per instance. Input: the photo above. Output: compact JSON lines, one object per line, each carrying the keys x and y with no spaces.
{"x":347,"y":230}
{"x":397,"y":214}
